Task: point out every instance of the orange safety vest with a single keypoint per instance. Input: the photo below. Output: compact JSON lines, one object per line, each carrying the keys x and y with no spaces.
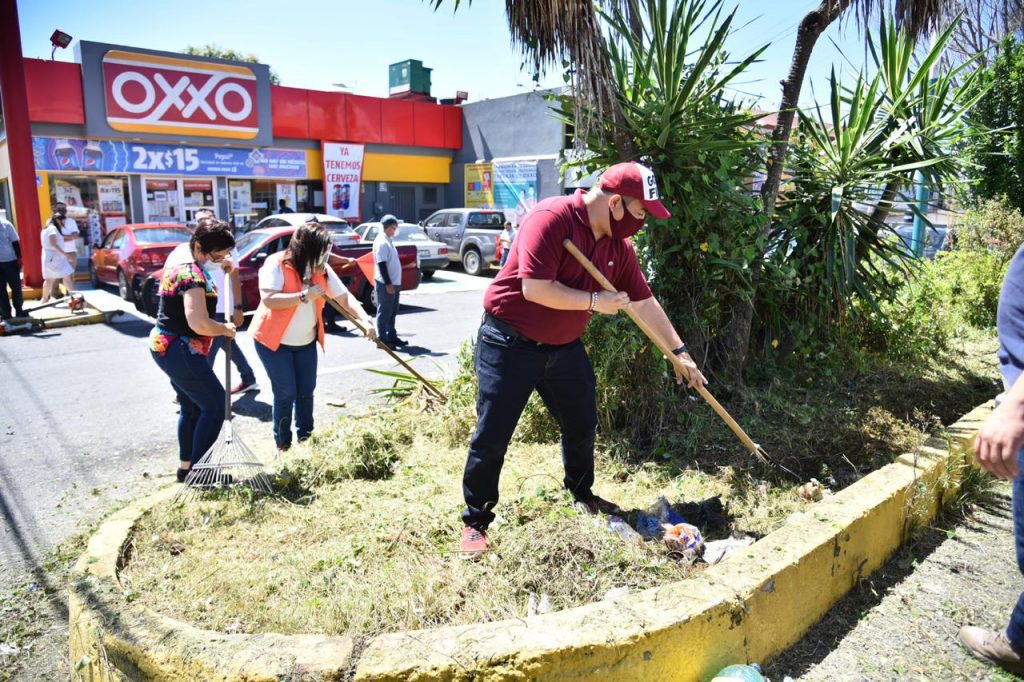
{"x":268,"y":326}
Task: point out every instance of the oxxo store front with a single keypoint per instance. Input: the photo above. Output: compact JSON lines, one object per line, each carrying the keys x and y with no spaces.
{"x":143,"y":136}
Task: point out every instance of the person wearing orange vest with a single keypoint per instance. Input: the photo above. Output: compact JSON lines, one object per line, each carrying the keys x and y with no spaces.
{"x":289,"y":322}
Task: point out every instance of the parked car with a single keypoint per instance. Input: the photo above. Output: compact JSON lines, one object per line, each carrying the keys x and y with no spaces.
{"x":470,"y":235}
{"x":433,"y":256}
{"x":130,"y":253}
{"x":934,"y":239}
{"x":341,"y":231}
{"x":253,"y":249}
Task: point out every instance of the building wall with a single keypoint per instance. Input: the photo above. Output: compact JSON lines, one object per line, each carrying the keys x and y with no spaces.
{"x":519,"y":127}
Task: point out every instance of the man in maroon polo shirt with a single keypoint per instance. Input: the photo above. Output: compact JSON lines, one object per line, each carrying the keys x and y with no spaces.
{"x":535,"y":312}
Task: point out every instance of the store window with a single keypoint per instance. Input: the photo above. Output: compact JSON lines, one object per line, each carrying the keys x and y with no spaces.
{"x":98,"y":204}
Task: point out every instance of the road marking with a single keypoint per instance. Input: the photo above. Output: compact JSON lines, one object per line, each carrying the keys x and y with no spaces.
{"x":374,"y":363}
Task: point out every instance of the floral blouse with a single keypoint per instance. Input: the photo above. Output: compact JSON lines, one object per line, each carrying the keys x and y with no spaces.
{"x":170,"y":318}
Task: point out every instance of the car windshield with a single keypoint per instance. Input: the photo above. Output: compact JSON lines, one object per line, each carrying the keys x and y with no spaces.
{"x":410,"y":233}
{"x":162,"y":235}
{"x":248,"y":243}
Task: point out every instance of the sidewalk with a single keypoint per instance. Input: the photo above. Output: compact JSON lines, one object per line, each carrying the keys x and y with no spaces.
{"x":902,"y":622}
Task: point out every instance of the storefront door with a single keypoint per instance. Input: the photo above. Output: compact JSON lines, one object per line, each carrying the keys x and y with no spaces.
{"x":197,"y":195}
{"x":163,"y":200}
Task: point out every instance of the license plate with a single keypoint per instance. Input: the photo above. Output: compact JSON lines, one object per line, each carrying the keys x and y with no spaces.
{"x":424,"y":252}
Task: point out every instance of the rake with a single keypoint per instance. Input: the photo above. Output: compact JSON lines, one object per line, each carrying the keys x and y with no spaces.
{"x":755,"y":449}
{"x":229,"y":462}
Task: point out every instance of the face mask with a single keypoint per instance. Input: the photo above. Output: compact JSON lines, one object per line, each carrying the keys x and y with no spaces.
{"x":628,"y":226}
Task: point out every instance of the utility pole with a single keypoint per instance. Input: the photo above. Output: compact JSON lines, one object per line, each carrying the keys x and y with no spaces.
{"x":922,"y":192}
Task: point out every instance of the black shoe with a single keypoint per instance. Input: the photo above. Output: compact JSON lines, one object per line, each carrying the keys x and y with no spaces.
{"x":182,"y":475}
{"x":597,"y":505}
{"x":401,"y":343}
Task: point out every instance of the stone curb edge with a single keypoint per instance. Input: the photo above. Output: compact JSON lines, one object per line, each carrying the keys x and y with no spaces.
{"x":736,"y":611}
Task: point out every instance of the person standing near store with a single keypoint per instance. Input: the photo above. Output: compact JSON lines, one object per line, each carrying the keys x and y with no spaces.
{"x":387,"y":280}
{"x":282,"y":207}
{"x":183,"y":335}
{"x":507,"y":236}
{"x":999,"y":447}
{"x":56,"y":268}
{"x":69,"y":234}
{"x":10,"y":271}
{"x":536,"y":310}
{"x":289,"y":323}
{"x":226,"y":274}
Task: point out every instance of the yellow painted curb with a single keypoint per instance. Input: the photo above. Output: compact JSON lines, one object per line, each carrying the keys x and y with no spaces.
{"x":748,"y":608}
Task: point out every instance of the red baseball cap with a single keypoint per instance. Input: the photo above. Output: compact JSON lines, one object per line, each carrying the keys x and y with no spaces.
{"x":630,"y":179}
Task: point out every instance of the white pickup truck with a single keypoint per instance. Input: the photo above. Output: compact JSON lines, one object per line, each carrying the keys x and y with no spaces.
{"x":470,"y":233}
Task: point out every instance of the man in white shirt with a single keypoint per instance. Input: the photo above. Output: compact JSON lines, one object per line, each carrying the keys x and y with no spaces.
{"x":387,"y":280}
{"x":10,"y":270}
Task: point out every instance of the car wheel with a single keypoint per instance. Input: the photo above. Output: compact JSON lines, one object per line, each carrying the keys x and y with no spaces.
{"x":123,"y":288}
{"x":369,"y":299}
{"x":428,"y":274}
{"x":472,"y":263}
{"x":149,"y":297}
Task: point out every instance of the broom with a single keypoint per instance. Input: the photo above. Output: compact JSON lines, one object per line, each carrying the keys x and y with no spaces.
{"x":753,"y":447}
{"x":228,"y":462}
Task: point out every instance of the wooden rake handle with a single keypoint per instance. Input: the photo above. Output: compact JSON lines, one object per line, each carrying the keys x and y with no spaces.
{"x":754,"y":448}
{"x":433,"y":390}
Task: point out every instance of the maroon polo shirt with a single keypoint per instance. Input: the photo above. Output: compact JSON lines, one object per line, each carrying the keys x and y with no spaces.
{"x":537,"y":253}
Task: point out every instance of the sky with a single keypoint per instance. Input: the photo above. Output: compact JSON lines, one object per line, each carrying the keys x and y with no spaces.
{"x":318,"y":43}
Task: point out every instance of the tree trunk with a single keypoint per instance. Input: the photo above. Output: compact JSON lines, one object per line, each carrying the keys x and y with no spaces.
{"x":881,"y":211}
{"x":735,"y":344}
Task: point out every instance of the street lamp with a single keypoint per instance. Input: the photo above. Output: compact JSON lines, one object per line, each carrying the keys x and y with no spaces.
{"x":59,"y":39}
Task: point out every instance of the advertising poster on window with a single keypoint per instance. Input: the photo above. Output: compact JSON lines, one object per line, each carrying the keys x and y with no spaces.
{"x":240,"y":192}
{"x":111,"y":194}
{"x":480,"y":185}
{"x":286,"y":191}
{"x":343,"y":178}
{"x":71,"y":196}
{"x":515,"y":188}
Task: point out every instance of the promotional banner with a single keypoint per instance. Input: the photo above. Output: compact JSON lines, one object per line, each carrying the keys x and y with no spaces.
{"x":111,"y":193}
{"x":515,"y":190}
{"x":286,"y":191}
{"x":71,"y":196}
{"x":107,"y":156}
{"x":343,"y":177}
{"x":480,"y":185}
{"x":240,"y":192}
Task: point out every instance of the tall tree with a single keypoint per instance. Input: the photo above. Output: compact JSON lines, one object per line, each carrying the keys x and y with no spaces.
{"x":211,"y":50}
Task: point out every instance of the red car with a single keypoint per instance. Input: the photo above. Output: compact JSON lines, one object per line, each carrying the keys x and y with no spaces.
{"x":254,"y":247}
{"x":131,"y":253}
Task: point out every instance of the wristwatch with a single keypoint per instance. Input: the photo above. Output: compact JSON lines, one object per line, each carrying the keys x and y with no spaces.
{"x":302,"y":296}
{"x":238,"y":306}
{"x":682,"y":349}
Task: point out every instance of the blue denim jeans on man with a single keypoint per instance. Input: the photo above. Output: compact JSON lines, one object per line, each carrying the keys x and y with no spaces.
{"x":387,"y":311}
{"x":245,"y":373}
{"x":508,"y":369}
{"x":10,"y":275}
{"x":200,"y":399}
{"x":292,"y":373}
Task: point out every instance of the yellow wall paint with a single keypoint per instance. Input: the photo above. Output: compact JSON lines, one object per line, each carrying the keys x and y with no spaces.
{"x":390,"y":167}
{"x":43,"y":191}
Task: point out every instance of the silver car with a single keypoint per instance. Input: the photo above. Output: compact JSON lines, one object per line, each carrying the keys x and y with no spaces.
{"x":431,"y":256}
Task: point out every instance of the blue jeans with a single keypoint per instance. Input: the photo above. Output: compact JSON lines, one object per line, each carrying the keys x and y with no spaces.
{"x":245,"y":373}
{"x":292,"y":372}
{"x":387,"y":310}
{"x":1015,"y":630}
{"x":200,"y":399}
{"x":508,"y":369}
{"x":9,"y":274}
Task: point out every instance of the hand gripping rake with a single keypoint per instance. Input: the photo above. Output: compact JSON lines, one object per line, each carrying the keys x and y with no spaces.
{"x":228,"y":462}
{"x":753,"y":447}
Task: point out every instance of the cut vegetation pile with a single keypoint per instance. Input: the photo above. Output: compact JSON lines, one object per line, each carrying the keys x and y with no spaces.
{"x":363,"y":538}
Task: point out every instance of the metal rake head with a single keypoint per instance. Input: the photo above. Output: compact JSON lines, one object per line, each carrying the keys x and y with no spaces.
{"x":227,"y":464}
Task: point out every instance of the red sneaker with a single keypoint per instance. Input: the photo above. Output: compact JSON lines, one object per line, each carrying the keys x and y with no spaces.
{"x":244,"y":387}
{"x":474,"y":543}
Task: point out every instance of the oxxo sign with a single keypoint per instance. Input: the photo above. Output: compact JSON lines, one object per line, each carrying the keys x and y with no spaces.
{"x":148,"y":93}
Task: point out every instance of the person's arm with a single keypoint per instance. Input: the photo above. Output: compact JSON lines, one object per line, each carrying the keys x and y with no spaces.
{"x":54,"y":244}
{"x":15,"y":244}
{"x":235,"y":282}
{"x":653,"y":315}
{"x":1002,"y":435}
{"x":554,"y":294}
{"x":199,"y":319}
{"x":271,"y":283}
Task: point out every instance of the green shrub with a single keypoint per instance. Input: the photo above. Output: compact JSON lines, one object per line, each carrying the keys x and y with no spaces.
{"x":994,"y":226}
{"x":969,"y":282}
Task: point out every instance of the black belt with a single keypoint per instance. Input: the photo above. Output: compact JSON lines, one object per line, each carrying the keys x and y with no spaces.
{"x":509,"y":330}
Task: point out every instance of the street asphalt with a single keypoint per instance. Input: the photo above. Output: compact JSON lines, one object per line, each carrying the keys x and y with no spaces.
{"x":87,"y":419}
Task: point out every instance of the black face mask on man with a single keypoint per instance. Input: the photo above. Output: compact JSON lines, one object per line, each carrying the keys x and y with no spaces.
{"x":627,"y":226}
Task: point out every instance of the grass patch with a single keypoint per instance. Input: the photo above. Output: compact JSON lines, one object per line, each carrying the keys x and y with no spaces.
{"x":371,"y":547}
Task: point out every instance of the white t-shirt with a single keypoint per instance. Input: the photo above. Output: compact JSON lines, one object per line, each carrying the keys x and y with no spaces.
{"x":384,"y":252}
{"x":50,"y":231}
{"x":70,"y":235}
{"x":301,"y":331}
